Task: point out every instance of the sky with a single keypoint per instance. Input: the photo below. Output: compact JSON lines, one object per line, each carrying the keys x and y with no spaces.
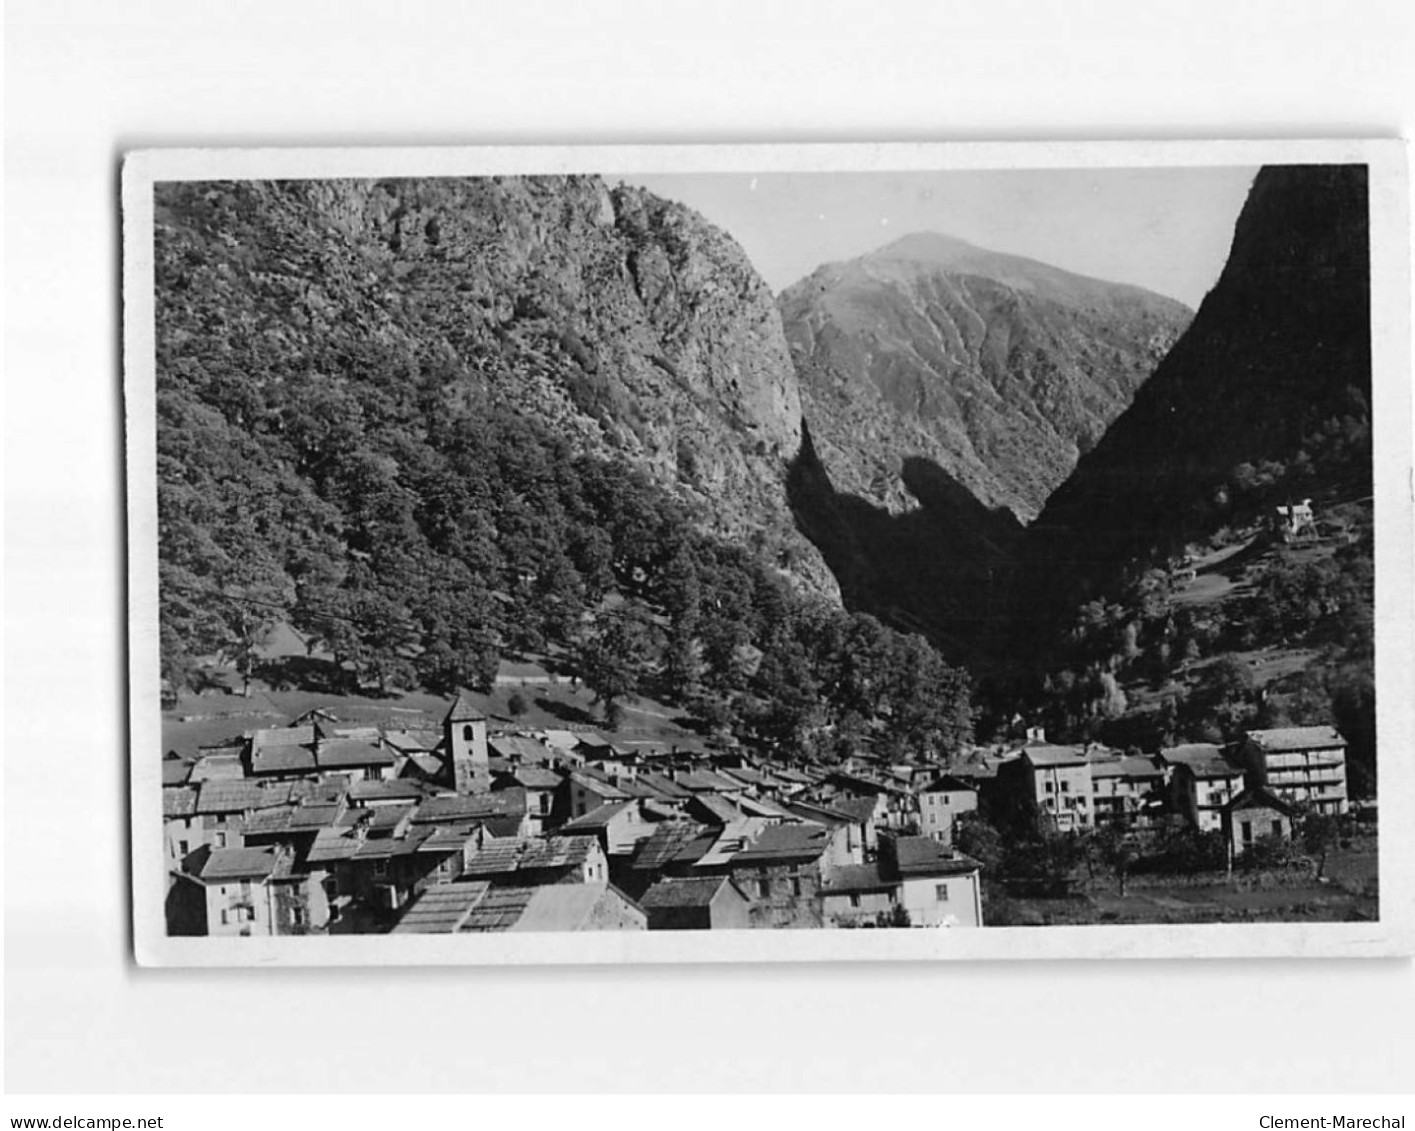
{"x":1165,"y":229}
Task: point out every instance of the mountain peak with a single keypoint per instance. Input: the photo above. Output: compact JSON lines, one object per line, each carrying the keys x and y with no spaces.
{"x":928,"y":247}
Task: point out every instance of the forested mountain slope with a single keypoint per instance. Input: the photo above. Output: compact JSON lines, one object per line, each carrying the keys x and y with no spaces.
{"x":432,"y":423}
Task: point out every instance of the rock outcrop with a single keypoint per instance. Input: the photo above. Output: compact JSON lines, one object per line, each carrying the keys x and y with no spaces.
{"x":997,"y":369}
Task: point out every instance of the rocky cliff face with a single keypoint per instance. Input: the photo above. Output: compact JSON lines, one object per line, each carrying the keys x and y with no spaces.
{"x":1275,"y":367}
{"x":627,"y":323}
{"x":998,"y":370}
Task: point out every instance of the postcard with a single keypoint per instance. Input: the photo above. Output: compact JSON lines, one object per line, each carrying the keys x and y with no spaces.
{"x":769,"y":553}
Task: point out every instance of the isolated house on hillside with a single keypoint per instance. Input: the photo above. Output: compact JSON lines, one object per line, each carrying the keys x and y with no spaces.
{"x":1294,"y":519}
{"x":1300,"y":765}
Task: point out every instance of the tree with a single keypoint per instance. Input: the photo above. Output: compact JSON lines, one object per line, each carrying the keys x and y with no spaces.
{"x":974,"y":836}
{"x":615,"y":658}
{"x":1319,"y":831}
{"x":1117,"y":849}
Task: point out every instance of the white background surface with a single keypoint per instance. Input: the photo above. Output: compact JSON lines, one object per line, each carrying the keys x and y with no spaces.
{"x":86,"y":81}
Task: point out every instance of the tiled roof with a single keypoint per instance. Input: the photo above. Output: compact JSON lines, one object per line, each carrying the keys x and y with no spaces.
{"x":858,"y":809}
{"x":596,"y":784}
{"x":175,"y":771}
{"x":596,"y":819}
{"x":441,"y":909}
{"x":503,"y":857}
{"x":1296,"y":738}
{"x":383,"y":847}
{"x":242,"y":864}
{"x":923,"y":856}
{"x":448,"y":838}
{"x":718,"y":809}
{"x":318,"y":792}
{"x":268,"y":821}
{"x":273,"y":737}
{"x":217,"y":767}
{"x":734,"y":837}
{"x":429,"y":764}
{"x":332,"y":844}
{"x":447,"y":808}
{"x":385,"y":791}
{"x":664,"y":786}
{"x":463,"y":710}
{"x":683,"y":891}
{"x":518,"y":748}
{"x":1257,"y":798}
{"x":498,"y":909}
{"x":412,"y":741}
{"x":535,"y":777}
{"x":674,"y":842}
{"x":1136,"y":767}
{"x":1203,"y":759}
{"x":784,"y":843}
{"x":705,"y":781}
{"x":1055,"y":755}
{"x":238,"y":796}
{"x":178,"y":801}
{"x":341,"y":753}
{"x":759,"y":807}
{"x":282,"y":750}
{"x":388,"y":816}
{"x":857,"y":878}
{"x":949,"y":783}
{"x":563,"y":907}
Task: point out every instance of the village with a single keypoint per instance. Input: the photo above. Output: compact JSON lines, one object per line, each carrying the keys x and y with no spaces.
{"x":481,"y":824}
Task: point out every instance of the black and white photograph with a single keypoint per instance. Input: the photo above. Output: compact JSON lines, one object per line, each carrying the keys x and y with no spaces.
{"x":951,"y":551}
{"x":719,"y":566}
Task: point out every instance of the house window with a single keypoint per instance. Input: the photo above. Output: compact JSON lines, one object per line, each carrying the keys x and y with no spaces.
{"x":544,"y":803}
{"x":854,"y":901}
{"x":941,"y":893}
{"x":1247,"y":827}
{"x":763,"y":888}
{"x":224,"y":920}
{"x":220,"y":840}
{"x":796,"y":885}
{"x":182,"y":849}
{"x":1066,"y":787}
{"x":946,"y":799}
{"x":380,"y":869}
{"x":297,"y":916}
{"x":1277,"y":828}
{"x":1051,"y":787}
{"x":468,"y":734}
